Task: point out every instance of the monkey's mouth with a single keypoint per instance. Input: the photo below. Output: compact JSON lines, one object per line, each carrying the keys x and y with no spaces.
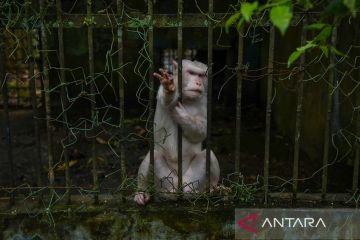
{"x":195,"y":90}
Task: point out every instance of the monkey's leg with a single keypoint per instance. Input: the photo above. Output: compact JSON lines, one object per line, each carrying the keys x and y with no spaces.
{"x":195,"y":176}
{"x":142,"y":196}
{"x":165,"y":179}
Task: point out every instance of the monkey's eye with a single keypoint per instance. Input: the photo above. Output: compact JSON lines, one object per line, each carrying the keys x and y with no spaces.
{"x":191,"y":72}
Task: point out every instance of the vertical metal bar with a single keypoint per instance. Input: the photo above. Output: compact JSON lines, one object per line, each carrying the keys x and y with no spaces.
{"x":180,"y":56}
{"x":268,"y":110}
{"x":238,"y":98}
{"x":151,"y":86}
{"x":299,"y":112}
{"x":357,"y":141}
{"x":209,"y":94}
{"x":328,"y":117}
{"x":37,"y":161}
{"x":5,"y":97}
{"x":120,"y":32}
{"x":93,"y":102}
{"x":357,"y":146}
{"x":18,"y":76}
{"x":46,"y":81}
{"x":63,"y":95}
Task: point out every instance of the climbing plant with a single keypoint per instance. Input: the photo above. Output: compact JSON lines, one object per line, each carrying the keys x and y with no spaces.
{"x":281,"y":13}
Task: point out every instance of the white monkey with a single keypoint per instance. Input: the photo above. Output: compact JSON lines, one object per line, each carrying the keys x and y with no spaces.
{"x":191,"y":116}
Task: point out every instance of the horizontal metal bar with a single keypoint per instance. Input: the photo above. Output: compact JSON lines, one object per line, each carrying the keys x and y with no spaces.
{"x":330,"y":197}
{"x":139,"y":20}
{"x":109,"y":200}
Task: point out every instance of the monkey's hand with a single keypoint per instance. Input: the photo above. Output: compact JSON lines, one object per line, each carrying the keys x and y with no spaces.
{"x":166,"y":80}
{"x":141,"y":198}
{"x":180,"y":114}
{"x":194,"y":127}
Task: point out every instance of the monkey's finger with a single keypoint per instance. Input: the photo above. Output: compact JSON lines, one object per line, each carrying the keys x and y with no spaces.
{"x":147,"y":198}
{"x":171,"y":87}
{"x":164,"y":73}
{"x":158,"y":76}
{"x":171,"y":80}
{"x":139,"y":199}
{"x":179,"y":104}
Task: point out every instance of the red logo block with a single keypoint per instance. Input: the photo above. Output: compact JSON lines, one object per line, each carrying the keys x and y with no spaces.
{"x":251,"y":218}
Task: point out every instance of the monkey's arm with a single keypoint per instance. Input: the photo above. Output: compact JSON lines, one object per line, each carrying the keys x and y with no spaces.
{"x":167,"y":99}
{"x":194,"y":127}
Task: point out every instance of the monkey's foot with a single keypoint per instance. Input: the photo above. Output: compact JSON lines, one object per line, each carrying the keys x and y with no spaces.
{"x":141,"y":198}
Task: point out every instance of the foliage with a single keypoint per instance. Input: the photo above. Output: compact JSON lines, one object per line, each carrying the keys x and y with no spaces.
{"x":281,"y":15}
{"x":89,"y":20}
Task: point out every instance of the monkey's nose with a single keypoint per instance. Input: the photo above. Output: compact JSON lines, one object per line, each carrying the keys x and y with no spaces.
{"x":198,"y":84}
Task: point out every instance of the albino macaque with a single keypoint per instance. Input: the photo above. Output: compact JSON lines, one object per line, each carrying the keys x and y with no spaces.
{"x":191,"y":116}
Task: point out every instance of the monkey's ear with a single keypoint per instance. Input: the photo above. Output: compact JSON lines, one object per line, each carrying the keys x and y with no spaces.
{"x":175,"y":66}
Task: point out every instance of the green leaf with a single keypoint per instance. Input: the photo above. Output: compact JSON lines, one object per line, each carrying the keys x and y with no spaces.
{"x":281,"y":16}
{"x":324,"y":34}
{"x":294,"y":56}
{"x":247,"y":10}
{"x":231,"y":20}
{"x":325,"y":50}
{"x":309,"y":45}
{"x":351,"y":5}
{"x":317,"y":26}
{"x":337,"y":52}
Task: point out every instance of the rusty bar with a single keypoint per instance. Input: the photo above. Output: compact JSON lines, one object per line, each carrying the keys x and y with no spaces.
{"x":63,"y":95}
{"x":268,"y":111}
{"x":151,"y":87}
{"x":93,"y":102}
{"x":37,"y":161}
{"x":18,"y":76}
{"x":209,"y":93}
{"x":331,"y":197}
{"x":299,"y":112}
{"x":355,"y":185}
{"x":46,"y":81}
{"x":120,"y":7}
{"x":135,"y":19}
{"x":5,"y":98}
{"x":238,"y":97}
{"x":328,"y":117}
{"x":180,"y":57}
{"x":357,"y":145}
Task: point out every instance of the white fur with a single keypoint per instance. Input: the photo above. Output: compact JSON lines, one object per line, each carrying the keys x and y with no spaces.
{"x":191,"y":116}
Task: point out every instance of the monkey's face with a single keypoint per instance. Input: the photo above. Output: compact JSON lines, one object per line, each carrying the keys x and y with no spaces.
{"x":194,"y":82}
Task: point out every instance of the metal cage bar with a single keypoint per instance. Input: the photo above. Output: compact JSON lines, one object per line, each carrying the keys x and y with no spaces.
{"x":238,"y":98}
{"x":63,"y":94}
{"x":355,"y":184}
{"x":5,"y":99}
{"x":120,"y":8}
{"x":151,"y":87}
{"x":93,"y":102}
{"x":209,"y":94}
{"x":268,"y":111}
{"x":46,"y":81}
{"x":328,"y":117}
{"x":299,"y":112}
{"x":36,"y":117}
{"x":190,"y":20}
{"x":357,"y":151}
{"x":179,"y":73}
